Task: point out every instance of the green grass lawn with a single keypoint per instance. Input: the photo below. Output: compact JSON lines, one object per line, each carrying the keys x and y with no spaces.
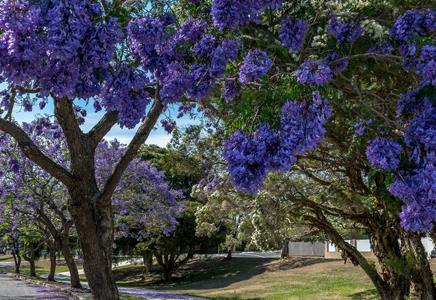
{"x":6,"y":258}
{"x":260,"y":279}
{"x":42,"y":267}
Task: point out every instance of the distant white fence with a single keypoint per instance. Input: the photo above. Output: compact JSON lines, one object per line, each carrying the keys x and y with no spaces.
{"x":364,"y":245}
{"x":306,"y":249}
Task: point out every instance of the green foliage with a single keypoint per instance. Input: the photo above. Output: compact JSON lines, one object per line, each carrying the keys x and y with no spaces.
{"x":181,"y":170}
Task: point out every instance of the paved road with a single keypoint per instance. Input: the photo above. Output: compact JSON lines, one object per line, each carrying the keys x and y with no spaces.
{"x":12,"y":289}
{"x":267,"y":254}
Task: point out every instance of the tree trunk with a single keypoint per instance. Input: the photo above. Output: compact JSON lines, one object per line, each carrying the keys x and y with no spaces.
{"x":166,"y":275}
{"x":51,"y":274}
{"x":167,"y":266}
{"x":17,"y":262}
{"x":71,"y":264}
{"x":423,"y":286}
{"x":229,"y":254}
{"x":387,"y":249}
{"x":94,"y":227}
{"x":147,"y":258}
{"x":390,"y":286}
{"x":285,"y":249}
{"x":32,"y":268}
{"x":30,"y":259}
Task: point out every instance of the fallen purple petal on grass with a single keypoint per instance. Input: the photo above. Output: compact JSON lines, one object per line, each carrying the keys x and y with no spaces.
{"x":49,"y":293}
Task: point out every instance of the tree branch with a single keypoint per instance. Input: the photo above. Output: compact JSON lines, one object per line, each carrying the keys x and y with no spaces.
{"x":74,"y":136}
{"x":32,"y":152}
{"x":131,"y":151}
{"x":99,"y":131}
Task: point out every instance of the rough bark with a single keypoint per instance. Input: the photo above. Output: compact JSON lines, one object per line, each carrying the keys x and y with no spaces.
{"x":51,"y":274}
{"x":170,"y":262}
{"x":390,"y":286}
{"x":147,"y":258}
{"x":71,"y":264}
{"x":96,"y":243}
{"x":285,"y":249}
{"x":31,"y":260}
{"x":229,"y":254}
{"x":385,"y":245}
{"x":423,"y":286}
{"x":167,"y":265}
{"x":17,"y":262}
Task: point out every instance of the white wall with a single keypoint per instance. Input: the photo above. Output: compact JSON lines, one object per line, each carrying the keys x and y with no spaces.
{"x":363,"y":245}
{"x":428,"y":244}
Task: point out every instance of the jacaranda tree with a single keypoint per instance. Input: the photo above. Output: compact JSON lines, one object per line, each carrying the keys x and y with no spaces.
{"x":143,"y":203}
{"x":40,"y":197}
{"x":134,"y":61}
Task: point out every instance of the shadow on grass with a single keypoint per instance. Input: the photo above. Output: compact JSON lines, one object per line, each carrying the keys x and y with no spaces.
{"x":208,"y":274}
{"x":24,"y":270}
{"x":6,"y":258}
{"x":368,"y":294}
{"x":213,"y":273}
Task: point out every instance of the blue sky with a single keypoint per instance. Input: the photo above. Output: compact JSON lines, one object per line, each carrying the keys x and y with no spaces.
{"x":158,"y":137}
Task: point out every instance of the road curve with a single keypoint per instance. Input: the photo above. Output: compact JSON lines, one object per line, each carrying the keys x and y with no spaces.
{"x":13,"y":289}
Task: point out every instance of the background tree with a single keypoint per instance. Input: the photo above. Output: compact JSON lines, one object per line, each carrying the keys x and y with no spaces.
{"x":40,"y":196}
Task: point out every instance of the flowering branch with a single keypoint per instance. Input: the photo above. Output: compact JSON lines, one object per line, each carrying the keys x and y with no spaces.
{"x":32,"y":152}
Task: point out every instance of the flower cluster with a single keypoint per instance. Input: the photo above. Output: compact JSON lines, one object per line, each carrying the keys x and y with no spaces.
{"x":256,"y":64}
{"x":302,"y":123}
{"x":231,"y":14}
{"x":343,"y":31}
{"x":292,"y":33}
{"x":414,"y":22}
{"x":251,"y":157}
{"x":384,"y":153}
{"x":176,"y":82}
{"x":190,"y":31}
{"x":147,"y":38}
{"x":427,"y":64}
{"x":361,"y":126}
{"x":231,"y":89}
{"x":409,"y":102}
{"x":227,"y":51}
{"x":421,"y":132}
{"x":124,"y":92}
{"x":168,"y":125}
{"x":205,"y":47}
{"x":314,"y":72}
{"x":201,"y":81}
{"x":59,"y":45}
{"x":336,"y":62}
{"x":417,"y":190}
{"x":245,"y":157}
